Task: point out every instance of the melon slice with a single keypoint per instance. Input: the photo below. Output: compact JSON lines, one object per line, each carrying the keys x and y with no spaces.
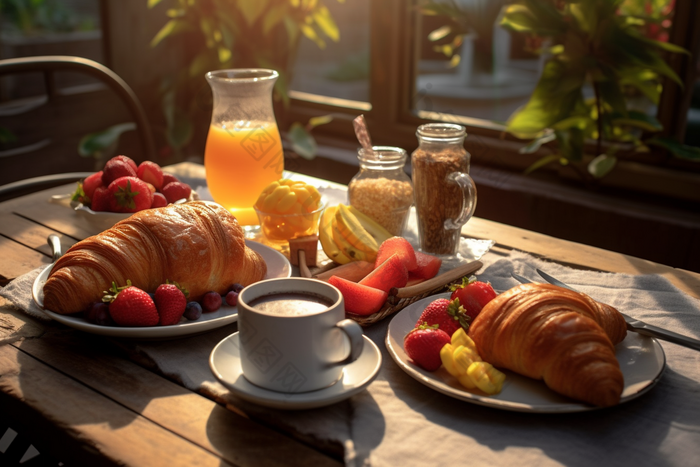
{"x":399,"y":246}
{"x":359,"y":299}
{"x":391,"y":273}
{"x":427,"y":265}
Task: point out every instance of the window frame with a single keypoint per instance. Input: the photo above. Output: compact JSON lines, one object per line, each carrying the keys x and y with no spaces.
{"x":391,"y":120}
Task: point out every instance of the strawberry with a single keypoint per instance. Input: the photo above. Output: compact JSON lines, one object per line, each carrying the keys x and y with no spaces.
{"x":473,"y":295}
{"x":175,"y":191}
{"x":131,"y":306}
{"x":129,"y":194}
{"x":91,"y":183}
{"x":129,"y":161}
{"x":151,"y":172}
{"x":447,"y":314}
{"x":116,"y":168}
{"x":171,"y":301}
{"x":167,"y":178}
{"x":423,"y":345}
{"x":159,"y":200}
{"x":101,"y":199}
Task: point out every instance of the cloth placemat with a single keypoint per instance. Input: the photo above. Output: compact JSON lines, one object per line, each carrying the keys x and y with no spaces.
{"x":398,"y":421}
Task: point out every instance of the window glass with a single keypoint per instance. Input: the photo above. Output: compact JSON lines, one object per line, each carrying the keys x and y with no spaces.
{"x":338,"y":69}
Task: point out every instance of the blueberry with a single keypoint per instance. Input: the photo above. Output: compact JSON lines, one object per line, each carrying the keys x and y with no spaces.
{"x":232,"y":298}
{"x":211,"y":302}
{"x":98,"y":313}
{"x":193,"y":311}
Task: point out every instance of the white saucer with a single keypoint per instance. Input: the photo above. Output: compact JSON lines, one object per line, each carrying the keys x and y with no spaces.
{"x":225,"y":363}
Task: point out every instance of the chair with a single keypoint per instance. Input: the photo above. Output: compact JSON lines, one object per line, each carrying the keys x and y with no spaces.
{"x":50,"y":125}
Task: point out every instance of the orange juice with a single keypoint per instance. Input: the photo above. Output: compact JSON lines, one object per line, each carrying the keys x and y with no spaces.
{"x":241,"y":159}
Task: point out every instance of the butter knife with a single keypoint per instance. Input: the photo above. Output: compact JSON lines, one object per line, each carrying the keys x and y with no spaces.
{"x":633,"y":324}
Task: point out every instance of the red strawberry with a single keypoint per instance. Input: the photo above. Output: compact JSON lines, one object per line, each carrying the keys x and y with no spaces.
{"x":359,"y":299}
{"x":171,"y":302}
{"x":400,"y":246}
{"x":175,"y":191}
{"x":151,"y":172}
{"x":159,"y":200}
{"x":423,"y":345}
{"x":101,"y":199}
{"x":116,"y":168}
{"x":91,"y":183}
{"x":167,"y":178}
{"x":131,"y":306}
{"x":473,"y":295}
{"x":391,"y":273}
{"x":126,"y":159}
{"x":447,"y":314}
{"x":130,"y":194}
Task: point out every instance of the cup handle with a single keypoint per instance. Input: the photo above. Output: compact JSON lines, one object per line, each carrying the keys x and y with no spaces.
{"x":466,"y":184}
{"x":354,"y":333}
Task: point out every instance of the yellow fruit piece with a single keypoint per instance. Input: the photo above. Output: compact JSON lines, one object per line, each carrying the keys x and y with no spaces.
{"x":466,"y":381}
{"x":464,"y":357}
{"x":325,"y":236}
{"x":261,"y":200}
{"x":303,"y":196}
{"x":314,"y":193}
{"x":460,"y":337}
{"x":273,"y":198}
{"x":271,"y":187}
{"x":287,"y":181}
{"x":486,"y":377}
{"x":285,"y":204}
{"x":448,"y":361}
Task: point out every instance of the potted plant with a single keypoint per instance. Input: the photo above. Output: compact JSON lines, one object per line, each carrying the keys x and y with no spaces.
{"x":597,"y":57}
{"x":220,"y":34}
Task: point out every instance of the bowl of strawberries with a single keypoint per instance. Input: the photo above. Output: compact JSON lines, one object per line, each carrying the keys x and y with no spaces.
{"x":122,"y":188}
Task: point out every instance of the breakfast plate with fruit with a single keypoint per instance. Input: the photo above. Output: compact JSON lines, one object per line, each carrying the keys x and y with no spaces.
{"x":642,"y":362}
{"x":277,"y":266}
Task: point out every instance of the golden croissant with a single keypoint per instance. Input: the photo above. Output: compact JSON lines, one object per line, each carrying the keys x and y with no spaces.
{"x":557,"y":335}
{"x":199,"y":245}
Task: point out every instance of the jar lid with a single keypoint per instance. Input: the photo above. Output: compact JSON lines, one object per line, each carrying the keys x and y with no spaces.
{"x":441,"y":131}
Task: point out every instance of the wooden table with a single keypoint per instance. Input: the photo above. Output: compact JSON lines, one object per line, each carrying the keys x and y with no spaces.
{"x":83,"y":402}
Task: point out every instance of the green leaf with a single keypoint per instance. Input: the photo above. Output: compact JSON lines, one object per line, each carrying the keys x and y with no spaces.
{"x":440,"y":33}
{"x":322,"y":120}
{"x":302,"y":142}
{"x":533,"y":17}
{"x":180,"y":130}
{"x":322,"y":17}
{"x":536,"y":144}
{"x":94,"y":144}
{"x":601,"y":165}
{"x":542,"y":162}
{"x":172,"y":27}
{"x":577,"y":121}
{"x":252,"y":10}
{"x":640,"y":120}
{"x":571,"y":143}
{"x":224,"y":54}
{"x":152,"y":3}
{"x":611,"y":94}
{"x":200,"y":64}
{"x":273,"y":17}
{"x":682,"y":151}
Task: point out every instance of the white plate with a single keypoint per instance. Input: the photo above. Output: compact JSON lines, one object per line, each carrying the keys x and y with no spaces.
{"x":225,"y":363}
{"x":641,"y":358}
{"x":277,"y":266}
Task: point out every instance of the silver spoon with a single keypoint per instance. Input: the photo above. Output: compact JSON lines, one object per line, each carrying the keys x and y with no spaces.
{"x":55,"y":244}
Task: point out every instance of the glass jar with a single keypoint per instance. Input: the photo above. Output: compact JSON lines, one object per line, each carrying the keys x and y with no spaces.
{"x":381,"y":189}
{"x":444,"y":193}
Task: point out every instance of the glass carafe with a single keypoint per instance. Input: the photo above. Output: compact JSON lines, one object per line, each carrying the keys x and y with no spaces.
{"x":243,"y":153}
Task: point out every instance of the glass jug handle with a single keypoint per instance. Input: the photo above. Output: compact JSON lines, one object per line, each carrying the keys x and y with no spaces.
{"x":466,"y":184}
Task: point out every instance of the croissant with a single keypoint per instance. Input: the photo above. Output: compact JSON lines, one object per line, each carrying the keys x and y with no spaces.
{"x":557,"y":335}
{"x":199,"y":245}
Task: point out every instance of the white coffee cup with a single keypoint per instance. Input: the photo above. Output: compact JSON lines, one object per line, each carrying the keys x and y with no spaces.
{"x":289,"y":347}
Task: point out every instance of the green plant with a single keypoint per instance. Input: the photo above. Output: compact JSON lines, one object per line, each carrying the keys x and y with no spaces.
{"x":32,"y":16}
{"x":596,"y":55}
{"x":238,"y":34}
{"x":475,"y":19}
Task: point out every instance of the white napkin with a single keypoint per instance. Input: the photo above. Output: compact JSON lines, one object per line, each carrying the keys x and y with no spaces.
{"x":19,"y":293}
